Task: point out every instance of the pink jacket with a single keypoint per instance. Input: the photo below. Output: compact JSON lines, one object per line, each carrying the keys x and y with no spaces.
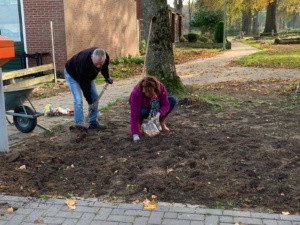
{"x":138,"y":100}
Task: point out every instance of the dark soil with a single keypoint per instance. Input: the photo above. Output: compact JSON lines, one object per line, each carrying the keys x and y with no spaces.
{"x":231,"y":145}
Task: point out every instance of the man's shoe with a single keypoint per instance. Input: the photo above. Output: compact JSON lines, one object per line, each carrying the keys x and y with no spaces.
{"x":96,"y":126}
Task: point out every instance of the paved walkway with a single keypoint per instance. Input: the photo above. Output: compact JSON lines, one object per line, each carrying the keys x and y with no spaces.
{"x":93,"y":212}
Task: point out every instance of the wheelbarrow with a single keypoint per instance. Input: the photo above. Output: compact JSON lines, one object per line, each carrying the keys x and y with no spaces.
{"x":24,"y":117}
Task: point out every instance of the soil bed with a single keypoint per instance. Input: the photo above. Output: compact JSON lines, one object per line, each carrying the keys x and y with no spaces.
{"x":231,"y":145}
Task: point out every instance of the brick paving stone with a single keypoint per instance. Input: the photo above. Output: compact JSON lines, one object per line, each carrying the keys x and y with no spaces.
{"x":103,"y":213}
{"x":226,"y":219}
{"x":211,"y":220}
{"x":118,"y":211}
{"x":70,"y":214}
{"x":86,"y":218}
{"x":36,"y":214}
{"x":290,"y":217}
{"x":120,"y":218}
{"x":171,"y":215}
{"x":23,"y":211}
{"x":197,"y":222}
{"x":53,"y":210}
{"x":141,"y":221}
{"x":281,"y":222}
{"x":104,"y":223}
{"x":137,"y":213}
{"x":248,"y":220}
{"x":236,"y":213}
{"x":265,"y":215}
{"x":53,"y":220}
{"x":87,"y":209}
{"x":209,"y":211}
{"x":70,"y":221}
{"x":269,"y":222}
{"x":188,"y":216}
{"x":175,"y":222}
{"x":17,"y":219}
{"x":130,"y":206}
{"x":156,"y":217}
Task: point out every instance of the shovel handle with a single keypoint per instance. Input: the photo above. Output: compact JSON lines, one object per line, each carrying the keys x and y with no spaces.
{"x":98,"y":99}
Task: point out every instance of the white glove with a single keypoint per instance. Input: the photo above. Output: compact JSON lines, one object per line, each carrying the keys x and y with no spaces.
{"x":136,"y":137}
{"x":156,"y":117}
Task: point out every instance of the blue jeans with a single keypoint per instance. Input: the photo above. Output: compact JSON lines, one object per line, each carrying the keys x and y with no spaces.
{"x":77,"y":96}
{"x":144,"y":114}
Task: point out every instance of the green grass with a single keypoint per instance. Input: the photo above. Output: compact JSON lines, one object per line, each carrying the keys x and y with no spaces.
{"x":271,"y":55}
{"x":217,"y":101}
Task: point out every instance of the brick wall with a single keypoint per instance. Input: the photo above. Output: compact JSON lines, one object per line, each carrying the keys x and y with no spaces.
{"x":37,"y":16}
{"x":77,"y":25}
{"x":111,"y":25}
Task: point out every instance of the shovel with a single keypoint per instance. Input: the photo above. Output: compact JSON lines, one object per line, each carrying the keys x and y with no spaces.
{"x":85,"y":125}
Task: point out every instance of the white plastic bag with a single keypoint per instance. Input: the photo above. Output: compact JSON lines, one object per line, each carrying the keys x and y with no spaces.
{"x":150,"y":128}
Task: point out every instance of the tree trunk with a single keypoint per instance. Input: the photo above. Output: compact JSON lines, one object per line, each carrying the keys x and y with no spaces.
{"x":255,"y":25}
{"x":160,"y":58}
{"x":270,"y":25}
{"x":246,"y":21}
{"x":178,"y":6}
{"x":287,"y":41}
{"x":190,"y":6}
{"x":294,"y":19}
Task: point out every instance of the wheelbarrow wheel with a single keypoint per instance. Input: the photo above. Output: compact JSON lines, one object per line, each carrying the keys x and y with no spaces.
{"x":24,"y":124}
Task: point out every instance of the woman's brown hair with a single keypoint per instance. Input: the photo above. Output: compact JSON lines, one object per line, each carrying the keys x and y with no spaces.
{"x":149,"y":84}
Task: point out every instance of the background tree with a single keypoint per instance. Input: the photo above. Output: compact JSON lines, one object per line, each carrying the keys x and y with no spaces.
{"x":270,"y":25}
{"x":206,"y":19}
{"x":160,"y":58}
{"x":190,"y":12}
{"x":249,"y":9}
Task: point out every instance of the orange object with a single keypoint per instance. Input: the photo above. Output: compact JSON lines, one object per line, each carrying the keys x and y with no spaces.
{"x":7,"y":50}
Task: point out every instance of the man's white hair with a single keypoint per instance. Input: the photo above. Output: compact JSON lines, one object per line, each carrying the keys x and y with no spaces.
{"x":99,"y":53}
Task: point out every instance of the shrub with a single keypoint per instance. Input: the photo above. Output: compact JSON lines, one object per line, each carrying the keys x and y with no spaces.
{"x":143,"y":47}
{"x":182,"y":39}
{"x":127,"y":60}
{"x":203,"y":39}
{"x":192,"y":37}
{"x":219,"y":32}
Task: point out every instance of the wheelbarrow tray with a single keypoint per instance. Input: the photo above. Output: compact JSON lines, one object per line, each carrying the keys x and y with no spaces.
{"x":15,"y":97}
{"x":24,"y":116}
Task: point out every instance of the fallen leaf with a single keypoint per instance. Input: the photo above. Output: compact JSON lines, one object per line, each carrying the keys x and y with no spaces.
{"x":285,"y":213}
{"x":53,"y":138}
{"x":71,"y":203}
{"x":10,"y":210}
{"x":169,"y":170}
{"x":23,"y":167}
{"x":136,"y":201}
{"x":150,"y":204}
